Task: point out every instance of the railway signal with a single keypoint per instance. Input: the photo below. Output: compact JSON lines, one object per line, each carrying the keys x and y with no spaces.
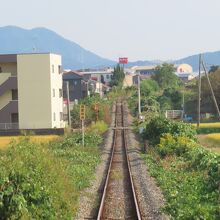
{"x":82,"y":112}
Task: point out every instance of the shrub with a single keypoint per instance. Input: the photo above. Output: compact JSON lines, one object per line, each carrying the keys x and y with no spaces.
{"x":99,"y":127}
{"x":189,"y":177}
{"x":91,"y":140}
{"x":159,"y":126}
{"x":178,"y":145}
{"x":104,"y":111}
{"x":34,"y":184}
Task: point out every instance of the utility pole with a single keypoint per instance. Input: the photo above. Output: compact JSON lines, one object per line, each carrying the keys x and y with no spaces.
{"x":68,"y":102}
{"x":183,"y":104}
{"x":199,"y":93}
{"x":139,"y":96}
{"x":213,"y":95}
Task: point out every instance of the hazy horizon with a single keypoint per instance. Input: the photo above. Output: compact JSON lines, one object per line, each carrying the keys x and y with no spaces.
{"x":140,"y":30}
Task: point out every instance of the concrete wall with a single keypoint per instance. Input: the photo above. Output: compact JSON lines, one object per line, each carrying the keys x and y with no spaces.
{"x":35,"y":91}
{"x":4,"y":76}
{"x":9,"y":68}
{"x":56,"y":80}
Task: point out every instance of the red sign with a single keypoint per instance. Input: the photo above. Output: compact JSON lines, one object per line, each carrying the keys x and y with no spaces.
{"x":123,"y":60}
{"x":94,"y":78}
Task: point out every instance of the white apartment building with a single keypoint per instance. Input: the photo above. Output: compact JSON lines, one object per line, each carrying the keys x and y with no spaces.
{"x":31,"y":91}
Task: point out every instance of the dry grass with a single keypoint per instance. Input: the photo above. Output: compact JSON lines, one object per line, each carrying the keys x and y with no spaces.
{"x":208,"y":125}
{"x":211,"y":141}
{"x":5,"y":141}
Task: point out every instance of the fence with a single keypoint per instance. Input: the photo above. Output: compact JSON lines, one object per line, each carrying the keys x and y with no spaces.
{"x":174,"y":114}
{"x":9,"y":126}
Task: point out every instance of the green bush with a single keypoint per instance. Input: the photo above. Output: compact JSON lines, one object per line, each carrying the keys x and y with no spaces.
{"x":189,"y":177}
{"x":90,"y":139}
{"x":178,"y":145}
{"x":34,"y":184}
{"x":81,"y":161}
{"x":104,"y":111}
{"x":159,"y":126}
{"x":44,"y":181}
{"x":99,"y":127}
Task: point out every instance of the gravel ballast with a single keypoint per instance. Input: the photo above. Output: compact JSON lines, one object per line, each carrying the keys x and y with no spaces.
{"x":91,"y":197}
{"x":149,"y":195}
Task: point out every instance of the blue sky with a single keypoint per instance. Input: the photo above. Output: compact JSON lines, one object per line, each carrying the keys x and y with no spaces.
{"x":139,"y":29}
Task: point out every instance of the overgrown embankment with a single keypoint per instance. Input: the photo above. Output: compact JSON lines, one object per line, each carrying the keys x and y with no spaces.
{"x":187,"y":173}
{"x":44,"y":181}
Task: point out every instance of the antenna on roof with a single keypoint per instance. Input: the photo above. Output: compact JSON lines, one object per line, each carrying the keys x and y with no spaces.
{"x":34,"y":49}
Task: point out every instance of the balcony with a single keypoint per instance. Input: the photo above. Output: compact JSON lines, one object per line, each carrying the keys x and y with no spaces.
{"x":9,"y":126}
{"x":8,"y":111}
{"x":7,"y":82}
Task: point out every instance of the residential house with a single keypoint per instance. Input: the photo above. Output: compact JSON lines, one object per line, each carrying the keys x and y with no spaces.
{"x":76,"y":87}
{"x":103,"y":76}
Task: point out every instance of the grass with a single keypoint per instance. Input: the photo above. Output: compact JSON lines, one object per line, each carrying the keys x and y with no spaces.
{"x":208,"y":125}
{"x":210,"y":141}
{"x":44,"y":181}
{"x":5,"y":141}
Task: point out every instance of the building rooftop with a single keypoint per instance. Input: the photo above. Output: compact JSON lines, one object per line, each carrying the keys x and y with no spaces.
{"x":12,"y":58}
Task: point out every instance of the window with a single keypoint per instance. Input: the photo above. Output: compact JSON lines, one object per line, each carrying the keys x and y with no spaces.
{"x":107,"y":76}
{"x":52,"y":68}
{"x":54,"y":116}
{"x":75,"y":83}
{"x":53,"y":92}
{"x":59,"y":69}
{"x":14,"y":93}
{"x":14,"y":117}
{"x":60,"y":93}
{"x":61,"y":116}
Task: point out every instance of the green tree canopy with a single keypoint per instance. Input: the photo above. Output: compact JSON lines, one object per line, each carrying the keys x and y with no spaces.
{"x":213,"y":68}
{"x":118,"y":76}
{"x":148,"y":87}
{"x":165,"y":76}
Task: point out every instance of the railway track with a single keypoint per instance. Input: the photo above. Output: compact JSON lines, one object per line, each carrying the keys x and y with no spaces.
{"x":119,"y":198}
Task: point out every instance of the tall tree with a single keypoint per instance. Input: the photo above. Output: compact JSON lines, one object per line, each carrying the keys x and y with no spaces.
{"x":118,"y":75}
{"x":165,"y":76}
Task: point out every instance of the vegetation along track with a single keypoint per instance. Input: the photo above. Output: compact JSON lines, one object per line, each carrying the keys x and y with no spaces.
{"x":119,"y":198}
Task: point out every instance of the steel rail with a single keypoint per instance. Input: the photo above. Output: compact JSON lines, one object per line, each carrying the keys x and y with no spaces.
{"x":129,"y":169}
{"x":137,"y":211}
{"x":109,"y":170}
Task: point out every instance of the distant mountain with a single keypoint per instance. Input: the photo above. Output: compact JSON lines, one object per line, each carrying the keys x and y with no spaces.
{"x":18,"y":40}
{"x":210,"y":58}
{"x":144,"y":63}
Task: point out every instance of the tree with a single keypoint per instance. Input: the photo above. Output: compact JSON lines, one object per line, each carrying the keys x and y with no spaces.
{"x":148,"y":87}
{"x":118,"y":76}
{"x":175,"y":97}
{"x":165,"y":76}
{"x":213,"y":69}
